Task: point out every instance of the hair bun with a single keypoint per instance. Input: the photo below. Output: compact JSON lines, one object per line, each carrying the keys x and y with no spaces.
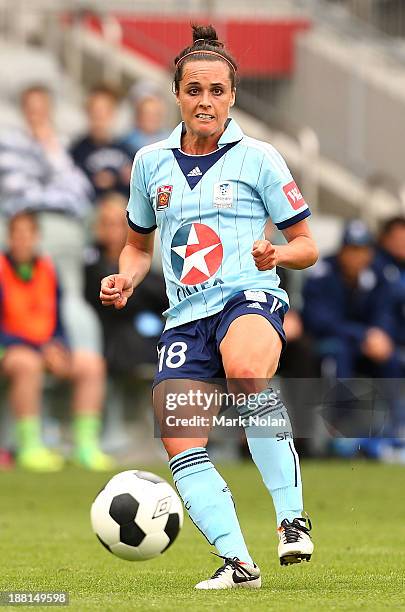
{"x":205,"y":35}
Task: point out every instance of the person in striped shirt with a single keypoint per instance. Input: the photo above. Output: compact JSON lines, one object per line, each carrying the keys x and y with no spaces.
{"x":210,"y":190}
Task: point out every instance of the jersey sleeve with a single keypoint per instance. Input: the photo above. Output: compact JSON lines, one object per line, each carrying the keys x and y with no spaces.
{"x":280,"y":193}
{"x":140,"y":214}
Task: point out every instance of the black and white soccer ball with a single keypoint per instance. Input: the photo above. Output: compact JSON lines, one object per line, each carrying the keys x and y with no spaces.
{"x":137,"y":515}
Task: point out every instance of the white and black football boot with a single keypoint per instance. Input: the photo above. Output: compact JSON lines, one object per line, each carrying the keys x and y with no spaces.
{"x":233,"y":574}
{"x":295,"y":542}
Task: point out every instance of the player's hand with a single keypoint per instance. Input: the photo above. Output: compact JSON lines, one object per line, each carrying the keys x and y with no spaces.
{"x":265,"y":255}
{"x":377,"y":345}
{"x":115,"y":290}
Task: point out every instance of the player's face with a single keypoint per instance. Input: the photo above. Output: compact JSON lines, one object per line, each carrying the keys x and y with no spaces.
{"x":111,"y":227}
{"x":37,"y":108}
{"x":394,"y":242}
{"x":205,"y":96}
{"x":101,"y":113}
{"x":354,"y":259}
{"x":150,"y":115}
{"x":23,"y":240}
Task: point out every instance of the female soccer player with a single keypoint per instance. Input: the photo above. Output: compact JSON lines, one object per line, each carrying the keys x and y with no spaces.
{"x":210,"y":190}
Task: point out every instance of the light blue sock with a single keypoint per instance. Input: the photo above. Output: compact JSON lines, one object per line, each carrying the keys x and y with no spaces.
{"x":270,"y":439}
{"x":209,"y":502}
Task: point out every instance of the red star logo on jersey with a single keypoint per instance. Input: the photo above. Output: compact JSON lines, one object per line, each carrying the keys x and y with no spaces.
{"x":196,"y":253}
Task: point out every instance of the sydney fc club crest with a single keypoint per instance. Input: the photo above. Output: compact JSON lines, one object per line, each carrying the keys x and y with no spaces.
{"x":163,"y":195}
{"x":223,"y":195}
{"x":196,"y":253}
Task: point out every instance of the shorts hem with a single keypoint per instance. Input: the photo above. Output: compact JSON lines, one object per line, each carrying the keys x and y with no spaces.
{"x":261,"y":314}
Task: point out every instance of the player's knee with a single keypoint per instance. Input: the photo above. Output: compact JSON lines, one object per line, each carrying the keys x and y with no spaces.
{"x":88,"y":365}
{"x":244,"y":377}
{"x":23,"y":361}
{"x":238,"y":369}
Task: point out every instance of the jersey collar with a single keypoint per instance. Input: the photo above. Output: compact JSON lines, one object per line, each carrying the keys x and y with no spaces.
{"x":232,"y":133}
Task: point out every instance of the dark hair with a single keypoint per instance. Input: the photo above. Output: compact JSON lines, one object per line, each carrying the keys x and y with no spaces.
{"x":205,"y":38}
{"x":25,"y":214}
{"x":112,"y":196}
{"x":390,"y":224}
{"x":105,"y":89}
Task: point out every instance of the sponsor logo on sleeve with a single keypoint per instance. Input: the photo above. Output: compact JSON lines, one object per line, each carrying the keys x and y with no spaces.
{"x":294,"y":195}
{"x":163,"y":195}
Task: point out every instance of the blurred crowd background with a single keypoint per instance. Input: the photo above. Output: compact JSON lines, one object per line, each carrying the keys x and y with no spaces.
{"x":82,"y":87}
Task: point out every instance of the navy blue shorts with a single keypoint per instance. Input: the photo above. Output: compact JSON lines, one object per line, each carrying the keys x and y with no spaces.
{"x":191,"y":351}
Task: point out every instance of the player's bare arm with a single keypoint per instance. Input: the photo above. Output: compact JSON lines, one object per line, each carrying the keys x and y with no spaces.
{"x":300,"y":252}
{"x":134,"y":264}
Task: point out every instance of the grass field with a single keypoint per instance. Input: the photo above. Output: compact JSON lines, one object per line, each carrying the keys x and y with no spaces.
{"x":357,"y":510}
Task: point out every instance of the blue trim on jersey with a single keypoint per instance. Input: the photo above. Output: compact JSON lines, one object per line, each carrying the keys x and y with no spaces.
{"x":199,"y":163}
{"x":138,"y":228}
{"x":293,"y":220}
{"x":232,"y":133}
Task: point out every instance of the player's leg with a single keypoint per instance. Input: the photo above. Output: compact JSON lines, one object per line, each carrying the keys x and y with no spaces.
{"x":250,"y":352}
{"x":88,"y":378}
{"x":205,"y":493}
{"x":24,"y":368}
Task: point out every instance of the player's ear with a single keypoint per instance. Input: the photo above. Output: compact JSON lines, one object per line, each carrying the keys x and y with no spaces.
{"x":176,"y":93}
{"x":233,"y":96}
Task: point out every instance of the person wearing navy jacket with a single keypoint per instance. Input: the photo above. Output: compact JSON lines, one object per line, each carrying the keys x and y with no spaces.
{"x":350,"y":312}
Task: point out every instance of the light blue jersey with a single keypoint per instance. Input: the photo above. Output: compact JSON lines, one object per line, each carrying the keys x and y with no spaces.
{"x":209,"y":210}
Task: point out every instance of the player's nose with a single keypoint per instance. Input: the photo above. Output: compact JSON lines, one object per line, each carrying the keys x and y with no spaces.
{"x":205,"y":100}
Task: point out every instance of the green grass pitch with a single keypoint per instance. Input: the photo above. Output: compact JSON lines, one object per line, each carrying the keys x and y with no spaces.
{"x":357,"y":509}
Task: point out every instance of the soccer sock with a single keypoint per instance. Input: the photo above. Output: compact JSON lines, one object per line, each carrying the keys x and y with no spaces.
{"x":209,"y":502}
{"x":86,"y":431}
{"x":28,"y":433}
{"x":272,"y":450}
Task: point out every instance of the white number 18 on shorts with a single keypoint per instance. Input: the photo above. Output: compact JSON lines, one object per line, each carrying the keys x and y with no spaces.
{"x":172,"y":356}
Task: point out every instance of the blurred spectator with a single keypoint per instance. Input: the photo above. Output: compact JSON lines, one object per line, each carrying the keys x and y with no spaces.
{"x":298,"y":360}
{"x":299,"y":367}
{"x":348,"y":311}
{"x":32,"y":341}
{"x":37,"y":174}
{"x":149,"y":117}
{"x":106,"y":162}
{"x":131,"y":334}
{"x":389,"y":263}
{"x":345,"y":306}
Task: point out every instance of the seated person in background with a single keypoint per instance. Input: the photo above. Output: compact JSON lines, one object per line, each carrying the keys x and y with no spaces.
{"x":37,"y":174}
{"x":348,"y":311}
{"x":106,"y":162}
{"x":344,"y":301}
{"x":298,"y":359}
{"x":32,"y":342}
{"x":389,"y":262}
{"x":149,"y":117}
{"x":299,"y":366}
{"x":130,"y":334}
